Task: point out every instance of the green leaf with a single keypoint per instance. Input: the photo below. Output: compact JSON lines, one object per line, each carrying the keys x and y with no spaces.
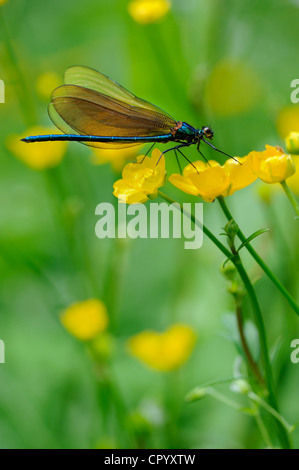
{"x":254,"y":235}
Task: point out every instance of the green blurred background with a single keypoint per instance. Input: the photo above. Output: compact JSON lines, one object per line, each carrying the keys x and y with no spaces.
{"x":228,"y":64}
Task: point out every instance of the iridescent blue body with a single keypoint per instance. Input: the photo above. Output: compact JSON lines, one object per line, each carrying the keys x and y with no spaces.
{"x":97,"y":138}
{"x":183,"y":132}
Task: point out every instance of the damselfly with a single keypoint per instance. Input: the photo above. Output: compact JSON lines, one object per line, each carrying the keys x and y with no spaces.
{"x":94,"y":110}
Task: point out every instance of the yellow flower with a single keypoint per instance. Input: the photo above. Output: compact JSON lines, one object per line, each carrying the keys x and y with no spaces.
{"x":292,"y":143}
{"x":2,"y":2}
{"x":288,"y":118}
{"x":117,"y":158}
{"x":148,"y":11}
{"x":232,"y":88}
{"x":164,"y":351}
{"x":37,"y":155}
{"x":212,"y":180}
{"x":46,"y":82}
{"x":272,"y":165}
{"x":85,"y":320}
{"x":140,"y":181}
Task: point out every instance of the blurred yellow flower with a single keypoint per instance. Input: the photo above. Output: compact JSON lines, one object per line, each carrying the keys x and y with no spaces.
{"x":85,"y":320}
{"x":163,"y":351}
{"x":272,"y":165}
{"x":117,"y":158}
{"x":288,"y":118}
{"x":232,"y":88}
{"x":38,"y":155}
{"x":212,"y":180}
{"x":46,"y":83}
{"x":266,"y":191}
{"x":292,"y":143}
{"x":140,"y":181}
{"x":2,"y":2}
{"x":148,"y":11}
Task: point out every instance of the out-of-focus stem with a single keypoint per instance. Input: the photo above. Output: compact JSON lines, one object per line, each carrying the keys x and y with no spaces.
{"x":290,"y":197}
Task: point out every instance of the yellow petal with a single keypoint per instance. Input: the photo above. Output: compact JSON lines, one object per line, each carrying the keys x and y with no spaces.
{"x":240,"y":174}
{"x":276,"y":169}
{"x":156,"y":157}
{"x":210,"y":183}
{"x":198,"y":166}
{"x":183,"y":183}
{"x":127,"y":194}
{"x":189,"y":169}
{"x":86,"y":319}
{"x":145,"y":175}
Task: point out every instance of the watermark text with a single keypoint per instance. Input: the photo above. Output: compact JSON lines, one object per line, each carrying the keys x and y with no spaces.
{"x":2,"y":92}
{"x":295,"y":352}
{"x":2,"y":352}
{"x":295,"y":92}
{"x":156,"y":220}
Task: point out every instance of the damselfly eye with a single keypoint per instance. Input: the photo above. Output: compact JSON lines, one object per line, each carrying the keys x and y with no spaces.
{"x":208,"y":132}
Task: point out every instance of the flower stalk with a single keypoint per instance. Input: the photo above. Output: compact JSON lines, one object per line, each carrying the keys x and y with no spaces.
{"x":259,"y":260}
{"x":281,"y":431}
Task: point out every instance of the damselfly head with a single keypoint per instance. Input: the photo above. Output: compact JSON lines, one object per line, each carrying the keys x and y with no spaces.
{"x":208,"y":133}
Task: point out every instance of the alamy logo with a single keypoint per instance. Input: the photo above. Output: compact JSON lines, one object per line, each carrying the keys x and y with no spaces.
{"x":2,"y":352}
{"x":152,"y":221}
{"x":295,"y":93}
{"x":2,"y":92}
{"x":295,"y":352}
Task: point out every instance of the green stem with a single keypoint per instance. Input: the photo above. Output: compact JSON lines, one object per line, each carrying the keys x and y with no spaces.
{"x":112,"y":404}
{"x":282,"y":434}
{"x":251,"y":363}
{"x":263,"y":430}
{"x":259,"y":260}
{"x":272,"y":411}
{"x":290,"y":197}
